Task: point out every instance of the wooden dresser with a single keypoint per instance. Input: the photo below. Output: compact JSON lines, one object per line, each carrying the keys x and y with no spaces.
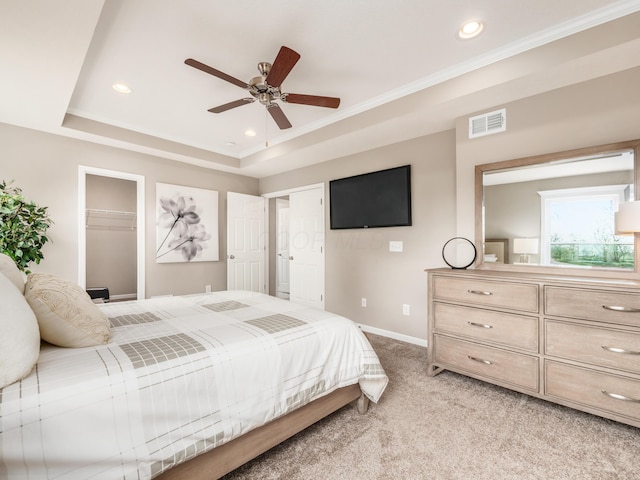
{"x":569,"y":340}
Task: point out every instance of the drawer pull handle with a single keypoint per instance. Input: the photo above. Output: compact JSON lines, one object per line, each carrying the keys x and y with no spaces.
{"x":479,"y":360}
{"x":617,"y":396}
{"x":481,"y":325}
{"x":479,"y":292}
{"x":617,"y":308}
{"x":619,"y":350}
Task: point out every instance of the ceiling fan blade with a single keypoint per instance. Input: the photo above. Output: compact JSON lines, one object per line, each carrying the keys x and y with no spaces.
{"x":314,"y":100}
{"x":282,"y":65}
{"x":216,"y":73}
{"x":278,"y":116}
{"x":230,"y":105}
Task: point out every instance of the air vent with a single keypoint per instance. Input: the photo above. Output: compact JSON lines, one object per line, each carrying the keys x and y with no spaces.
{"x":488,"y":123}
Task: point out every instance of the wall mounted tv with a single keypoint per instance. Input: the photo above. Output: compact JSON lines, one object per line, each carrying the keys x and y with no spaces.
{"x":376,"y":199}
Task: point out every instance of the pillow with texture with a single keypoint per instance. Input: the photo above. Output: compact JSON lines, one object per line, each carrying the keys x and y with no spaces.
{"x":19,"y":335}
{"x":66,"y":315}
{"x":10,"y":270}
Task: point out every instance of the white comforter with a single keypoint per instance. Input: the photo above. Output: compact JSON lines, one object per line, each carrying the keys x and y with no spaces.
{"x":180,"y":376}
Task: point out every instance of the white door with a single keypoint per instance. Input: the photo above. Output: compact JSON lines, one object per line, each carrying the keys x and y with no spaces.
{"x":246,"y":242}
{"x":306,"y":247}
{"x":282,"y":248}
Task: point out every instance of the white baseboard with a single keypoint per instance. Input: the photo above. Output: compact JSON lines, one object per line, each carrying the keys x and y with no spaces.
{"x":124,"y":296}
{"x":396,"y":336}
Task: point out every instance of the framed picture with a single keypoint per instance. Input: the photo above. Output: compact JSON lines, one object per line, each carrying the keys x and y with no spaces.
{"x":186,"y":224}
{"x":496,"y":250}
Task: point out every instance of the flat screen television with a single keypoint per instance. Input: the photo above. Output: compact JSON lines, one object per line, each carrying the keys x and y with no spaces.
{"x":376,"y":199}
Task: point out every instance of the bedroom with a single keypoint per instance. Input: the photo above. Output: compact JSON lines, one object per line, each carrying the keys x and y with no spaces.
{"x":541,"y":119}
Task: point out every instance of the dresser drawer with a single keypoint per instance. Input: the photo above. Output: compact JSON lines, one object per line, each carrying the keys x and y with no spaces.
{"x":588,"y":387}
{"x":604,"y":306}
{"x":514,"y":296}
{"x":602,"y":346}
{"x":491,"y":363}
{"x":507,"y":329}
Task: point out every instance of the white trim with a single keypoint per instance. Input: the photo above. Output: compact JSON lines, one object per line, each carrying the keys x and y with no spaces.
{"x":284,"y":193}
{"x":421,"y":342}
{"x":123,"y":297}
{"x":280,"y":204}
{"x":267,"y":245}
{"x":83,"y":171}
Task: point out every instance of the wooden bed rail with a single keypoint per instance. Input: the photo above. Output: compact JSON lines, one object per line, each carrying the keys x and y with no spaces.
{"x":229,"y":456}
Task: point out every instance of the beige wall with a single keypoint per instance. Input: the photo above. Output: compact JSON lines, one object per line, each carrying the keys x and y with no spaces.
{"x":358,"y":262}
{"x":45,"y":166}
{"x":596,"y":112}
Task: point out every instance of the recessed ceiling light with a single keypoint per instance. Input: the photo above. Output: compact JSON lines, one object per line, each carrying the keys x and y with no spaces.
{"x":250,"y":133}
{"x":470,"y":29}
{"x":121,"y":88}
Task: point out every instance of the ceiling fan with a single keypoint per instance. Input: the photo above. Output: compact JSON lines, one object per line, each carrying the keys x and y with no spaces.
{"x":266,"y":87}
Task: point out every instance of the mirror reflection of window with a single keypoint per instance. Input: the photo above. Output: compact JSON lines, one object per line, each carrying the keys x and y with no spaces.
{"x":569,"y":205}
{"x":578,"y":228}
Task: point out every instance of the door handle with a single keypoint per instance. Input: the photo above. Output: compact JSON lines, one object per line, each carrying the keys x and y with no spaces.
{"x":290,"y":258}
{"x":231,"y":257}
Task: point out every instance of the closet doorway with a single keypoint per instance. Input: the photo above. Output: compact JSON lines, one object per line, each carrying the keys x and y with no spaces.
{"x":111,"y":234}
{"x":300,"y":262}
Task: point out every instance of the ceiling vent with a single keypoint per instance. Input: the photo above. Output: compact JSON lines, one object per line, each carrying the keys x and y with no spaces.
{"x":488,"y":123}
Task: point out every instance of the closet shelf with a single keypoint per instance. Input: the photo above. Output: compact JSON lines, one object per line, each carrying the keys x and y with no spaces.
{"x":110,"y":219}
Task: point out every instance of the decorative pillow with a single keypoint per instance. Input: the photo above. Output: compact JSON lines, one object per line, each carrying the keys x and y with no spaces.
{"x":10,"y":270}
{"x":19,"y":335}
{"x":66,"y":315}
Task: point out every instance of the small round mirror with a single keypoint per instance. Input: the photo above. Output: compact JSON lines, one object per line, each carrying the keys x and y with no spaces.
{"x":459,"y":253}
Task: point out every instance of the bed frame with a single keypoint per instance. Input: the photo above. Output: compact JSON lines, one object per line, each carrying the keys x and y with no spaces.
{"x":231,"y":455}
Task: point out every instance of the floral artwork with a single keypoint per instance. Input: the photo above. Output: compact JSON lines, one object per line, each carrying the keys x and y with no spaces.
{"x":187,"y":224}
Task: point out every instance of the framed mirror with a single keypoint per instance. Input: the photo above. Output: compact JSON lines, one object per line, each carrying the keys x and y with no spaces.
{"x":558,"y":210}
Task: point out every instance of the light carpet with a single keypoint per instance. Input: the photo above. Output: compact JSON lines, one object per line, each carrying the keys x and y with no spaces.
{"x":451,"y":427}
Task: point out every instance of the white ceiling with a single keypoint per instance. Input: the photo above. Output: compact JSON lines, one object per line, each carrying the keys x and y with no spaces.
{"x":397,"y":66}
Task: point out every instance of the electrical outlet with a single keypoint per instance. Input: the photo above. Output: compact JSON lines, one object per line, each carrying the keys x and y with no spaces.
{"x":207,"y":288}
{"x":364,"y":302}
{"x":406,"y":309}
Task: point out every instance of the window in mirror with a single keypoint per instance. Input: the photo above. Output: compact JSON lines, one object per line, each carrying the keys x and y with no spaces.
{"x":577,"y":227}
{"x":560,"y":212}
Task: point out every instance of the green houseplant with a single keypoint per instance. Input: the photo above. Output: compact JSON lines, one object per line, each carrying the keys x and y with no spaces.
{"x":23,"y":227}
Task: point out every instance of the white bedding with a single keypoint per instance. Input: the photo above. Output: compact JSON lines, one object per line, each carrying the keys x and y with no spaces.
{"x":180,"y":376}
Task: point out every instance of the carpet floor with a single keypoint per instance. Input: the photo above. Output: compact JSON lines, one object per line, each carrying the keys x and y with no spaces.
{"x":451,"y":427}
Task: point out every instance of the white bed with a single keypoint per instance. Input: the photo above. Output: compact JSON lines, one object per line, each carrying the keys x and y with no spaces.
{"x":180,"y":376}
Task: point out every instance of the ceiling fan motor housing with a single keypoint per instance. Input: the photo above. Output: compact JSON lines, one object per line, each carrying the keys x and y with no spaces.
{"x":261,"y":90}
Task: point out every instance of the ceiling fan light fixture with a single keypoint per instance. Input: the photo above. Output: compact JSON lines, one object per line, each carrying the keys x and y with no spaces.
{"x":470,"y":29}
{"x":121,"y":88}
{"x":264,"y":98}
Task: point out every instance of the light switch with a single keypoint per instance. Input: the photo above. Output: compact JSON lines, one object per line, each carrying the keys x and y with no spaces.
{"x":395,"y":246}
